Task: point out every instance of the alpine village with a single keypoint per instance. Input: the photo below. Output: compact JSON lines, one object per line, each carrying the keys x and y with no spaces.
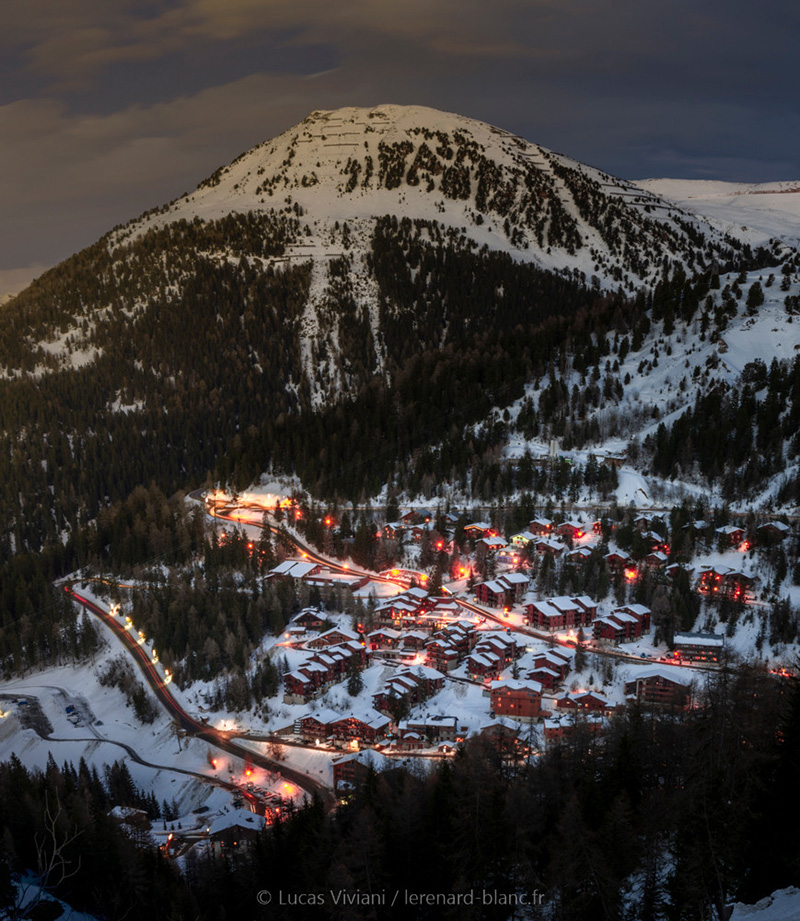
{"x":405,"y":523}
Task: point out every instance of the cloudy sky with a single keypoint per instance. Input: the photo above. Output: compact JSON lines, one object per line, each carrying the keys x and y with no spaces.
{"x":110,"y":108}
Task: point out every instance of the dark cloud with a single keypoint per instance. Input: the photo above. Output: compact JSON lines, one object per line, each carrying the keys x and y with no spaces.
{"x":107,"y":109}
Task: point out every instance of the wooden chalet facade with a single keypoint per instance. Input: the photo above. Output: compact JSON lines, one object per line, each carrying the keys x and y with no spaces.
{"x":660,"y":686}
{"x":521,"y":700}
{"x":623,"y":625}
{"x":561,"y":613}
{"x":699,"y":647}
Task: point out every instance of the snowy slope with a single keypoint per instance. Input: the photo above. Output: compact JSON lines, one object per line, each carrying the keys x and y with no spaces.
{"x":756,"y":212}
{"x":353,"y":164}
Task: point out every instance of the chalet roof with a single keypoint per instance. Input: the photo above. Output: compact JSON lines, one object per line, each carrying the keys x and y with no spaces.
{"x":557,"y":656}
{"x":729,"y":529}
{"x":564,"y":603}
{"x":493,"y":542}
{"x":639,"y":609}
{"x":523,"y":535}
{"x":297,"y":676}
{"x":308,"y":614}
{"x":655,"y":671}
{"x":698,"y":639}
{"x":514,"y":578}
{"x":386,"y":631}
{"x":620,"y":554}
{"x":422,"y":671}
{"x":337,"y":631}
{"x":546,"y":609}
{"x":551,"y":544}
{"x":236,"y":818}
{"x":486,"y":659}
{"x":543,"y":670}
{"x":419,"y":593}
{"x":296,"y":569}
{"x":325,"y":716}
{"x":572,"y":523}
{"x":495,"y":586}
{"x":621,"y":617}
{"x":368,"y":757}
{"x":517,"y":684}
{"x":777,"y":525}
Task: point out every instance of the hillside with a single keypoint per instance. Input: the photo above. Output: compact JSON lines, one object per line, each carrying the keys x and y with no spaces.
{"x":336,"y":286}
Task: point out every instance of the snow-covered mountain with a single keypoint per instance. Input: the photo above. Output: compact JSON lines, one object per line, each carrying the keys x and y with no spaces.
{"x":505,"y":193}
{"x":394,"y":260}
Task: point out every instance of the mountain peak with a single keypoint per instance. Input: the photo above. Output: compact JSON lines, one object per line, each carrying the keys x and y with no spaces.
{"x":500,"y":191}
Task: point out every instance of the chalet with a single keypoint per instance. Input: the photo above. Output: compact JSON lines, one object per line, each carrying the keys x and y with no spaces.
{"x":294,"y":569}
{"x":412,"y":686}
{"x":548,"y":545}
{"x":699,"y":647}
{"x":522,"y":539}
{"x":332,"y":638}
{"x":234,"y":830}
{"x":310,"y":619}
{"x":441,"y":655}
{"x":571,"y":529}
{"x":418,"y":531}
{"x":502,"y":732}
{"x":730,"y":535}
{"x":484,"y":664}
{"x":654,"y":685}
{"x":654,"y":541}
{"x":521,"y":700}
{"x":773,"y":531}
{"x":617,"y":559}
{"x":517,"y":583}
{"x":540,"y":526}
{"x":434,"y":729}
{"x":618,"y":627}
{"x":411,"y":742}
{"x":393,"y":530}
{"x":314,"y":727}
{"x":579,"y":555}
{"x":492,"y":543}
{"x":366,"y":729}
{"x":298,"y":688}
{"x":560,"y":613}
{"x":586,"y":700}
{"x":698,"y":526}
{"x":656,"y":559}
{"x":561,"y":726}
{"x":477,"y":529}
{"x":493,"y":594}
{"x":414,"y":640}
{"x":723,"y":582}
{"x":641,"y":612}
{"x":673,"y":569}
{"x":509,"y":554}
{"x":557,"y":660}
{"x":384,"y":638}
{"x":546,"y":676}
{"x":351,"y":770}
